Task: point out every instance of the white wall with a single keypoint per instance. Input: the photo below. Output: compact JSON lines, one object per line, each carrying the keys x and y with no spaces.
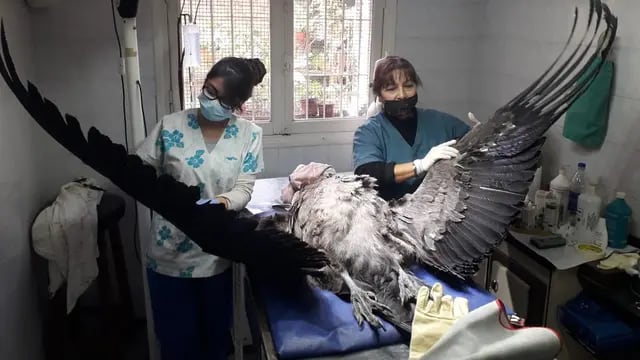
{"x":439,"y":38}
{"x":519,"y":39}
{"x":22,"y":194}
{"x":281,"y":161}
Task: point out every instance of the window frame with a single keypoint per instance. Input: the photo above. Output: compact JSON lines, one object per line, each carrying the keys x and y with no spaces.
{"x":282,"y":130}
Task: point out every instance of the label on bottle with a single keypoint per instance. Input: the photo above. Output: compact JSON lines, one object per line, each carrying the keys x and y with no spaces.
{"x":586,"y":219}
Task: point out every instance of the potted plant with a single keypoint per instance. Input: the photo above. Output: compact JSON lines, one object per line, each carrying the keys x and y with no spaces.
{"x":308,"y":102}
{"x":326,"y":110}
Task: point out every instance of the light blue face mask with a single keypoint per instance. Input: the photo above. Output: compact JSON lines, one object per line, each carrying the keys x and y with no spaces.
{"x":212,"y":110}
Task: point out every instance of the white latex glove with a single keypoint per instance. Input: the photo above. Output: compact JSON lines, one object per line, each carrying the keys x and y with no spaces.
{"x":443,"y":151}
{"x":627,"y":262}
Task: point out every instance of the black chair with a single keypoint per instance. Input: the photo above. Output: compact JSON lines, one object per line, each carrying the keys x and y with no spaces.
{"x":110,"y":210}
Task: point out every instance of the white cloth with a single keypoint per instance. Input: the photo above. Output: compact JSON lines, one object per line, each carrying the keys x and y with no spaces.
{"x":176,"y":147}
{"x":374,"y":108}
{"x":486,"y":333}
{"x":473,"y":121}
{"x":66,"y":234}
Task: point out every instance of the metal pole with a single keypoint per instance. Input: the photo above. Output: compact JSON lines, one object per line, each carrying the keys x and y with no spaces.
{"x":128,"y":10}
{"x":132,"y":74}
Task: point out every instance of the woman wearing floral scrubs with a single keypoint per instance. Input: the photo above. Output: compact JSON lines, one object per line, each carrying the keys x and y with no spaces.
{"x":221,"y":153}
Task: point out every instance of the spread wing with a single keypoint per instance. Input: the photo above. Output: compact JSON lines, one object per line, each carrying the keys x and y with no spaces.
{"x":216,"y":230}
{"x":464,"y":207}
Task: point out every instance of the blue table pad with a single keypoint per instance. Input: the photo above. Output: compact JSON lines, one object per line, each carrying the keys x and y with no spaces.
{"x":308,"y":321}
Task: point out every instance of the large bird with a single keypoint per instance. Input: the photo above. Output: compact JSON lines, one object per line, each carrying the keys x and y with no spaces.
{"x":463,"y":207}
{"x":339,"y":230}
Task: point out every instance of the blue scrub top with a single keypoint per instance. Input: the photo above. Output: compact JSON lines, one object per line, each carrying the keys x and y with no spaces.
{"x":378,"y":140}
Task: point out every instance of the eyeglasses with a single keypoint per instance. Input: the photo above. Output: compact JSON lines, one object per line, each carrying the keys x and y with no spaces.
{"x":210,"y":92}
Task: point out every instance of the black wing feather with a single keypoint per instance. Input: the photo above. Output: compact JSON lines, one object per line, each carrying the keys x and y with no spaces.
{"x":491,"y":177}
{"x":216,"y":230}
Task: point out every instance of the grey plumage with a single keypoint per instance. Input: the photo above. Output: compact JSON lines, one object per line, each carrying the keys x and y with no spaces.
{"x":462,"y":209}
{"x":362,"y":236}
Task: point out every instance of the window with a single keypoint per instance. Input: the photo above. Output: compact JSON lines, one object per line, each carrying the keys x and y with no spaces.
{"x":318,"y":55}
{"x":231,"y":28}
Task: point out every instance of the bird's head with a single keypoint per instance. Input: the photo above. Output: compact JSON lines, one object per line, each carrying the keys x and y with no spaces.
{"x":305,"y":175}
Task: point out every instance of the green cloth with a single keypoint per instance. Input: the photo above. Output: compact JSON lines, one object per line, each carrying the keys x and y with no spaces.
{"x":586,"y":120}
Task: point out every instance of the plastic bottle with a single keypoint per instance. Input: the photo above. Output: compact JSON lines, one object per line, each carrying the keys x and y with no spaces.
{"x":618,"y":214}
{"x":541,"y":195}
{"x":588,"y":214}
{"x":532,"y":216}
{"x":576,"y":188}
{"x":528,"y":214}
{"x":560,"y":187}
{"x":551,"y":212}
{"x":535,"y":183}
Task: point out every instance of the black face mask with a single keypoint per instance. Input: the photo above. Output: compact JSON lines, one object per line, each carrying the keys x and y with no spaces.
{"x":400,"y":108}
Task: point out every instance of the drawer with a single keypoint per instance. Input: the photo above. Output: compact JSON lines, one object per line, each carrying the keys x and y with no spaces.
{"x":510,"y":289}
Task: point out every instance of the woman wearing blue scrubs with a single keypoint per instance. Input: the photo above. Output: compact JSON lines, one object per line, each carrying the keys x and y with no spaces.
{"x":399,"y":144}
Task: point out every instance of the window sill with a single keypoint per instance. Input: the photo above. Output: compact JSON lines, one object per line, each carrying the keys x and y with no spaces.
{"x":302,"y":140}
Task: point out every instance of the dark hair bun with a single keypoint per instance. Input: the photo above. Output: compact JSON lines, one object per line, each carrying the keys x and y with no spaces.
{"x":258,"y":70}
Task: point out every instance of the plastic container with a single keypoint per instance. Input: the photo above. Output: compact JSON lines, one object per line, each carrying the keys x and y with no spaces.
{"x":618,"y":214}
{"x":588,"y":215}
{"x":528,"y":216}
{"x":535,"y":184}
{"x":532,"y":216}
{"x":576,"y":187}
{"x":560,"y":186}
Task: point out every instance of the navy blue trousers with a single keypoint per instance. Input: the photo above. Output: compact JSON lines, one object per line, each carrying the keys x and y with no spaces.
{"x":192,"y":316}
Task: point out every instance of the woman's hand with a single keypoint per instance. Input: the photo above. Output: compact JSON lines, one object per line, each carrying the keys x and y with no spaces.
{"x":223,"y":201}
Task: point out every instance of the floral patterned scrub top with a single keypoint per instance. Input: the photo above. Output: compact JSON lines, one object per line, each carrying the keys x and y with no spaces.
{"x":177,"y":147}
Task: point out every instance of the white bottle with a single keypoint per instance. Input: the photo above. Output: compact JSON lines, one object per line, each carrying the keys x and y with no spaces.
{"x":587,"y":214}
{"x":560,"y":187}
